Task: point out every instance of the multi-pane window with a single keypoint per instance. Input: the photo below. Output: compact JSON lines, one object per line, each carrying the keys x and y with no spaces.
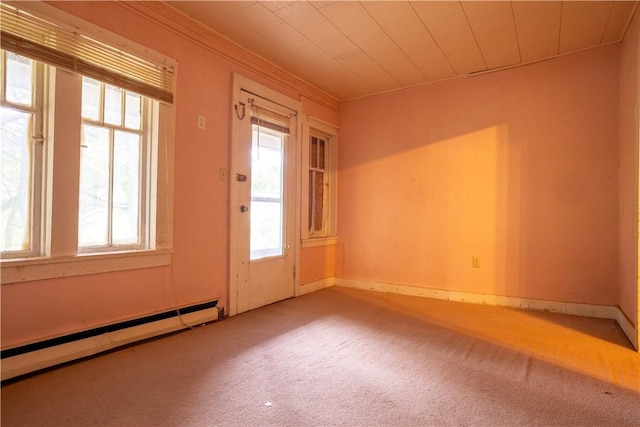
{"x":318,"y":184}
{"x":21,"y":154}
{"x":112,"y":168}
{"x":80,"y":157}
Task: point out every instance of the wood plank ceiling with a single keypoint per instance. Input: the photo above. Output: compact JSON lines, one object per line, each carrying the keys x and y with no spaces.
{"x":352,"y":49}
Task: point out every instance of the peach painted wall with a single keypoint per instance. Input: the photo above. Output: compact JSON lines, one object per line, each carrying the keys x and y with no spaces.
{"x":629,"y":156}
{"x":318,"y":262}
{"x":518,"y":168}
{"x":37,"y":310}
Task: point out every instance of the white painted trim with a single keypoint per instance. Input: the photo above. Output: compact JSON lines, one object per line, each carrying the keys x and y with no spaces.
{"x":307,"y":288}
{"x":589,"y":310}
{"x":77,"y":25}
{"x":239,"y":247}
{"x":45,"y":358}
{"x":312,"y":242}
{"x":25,"y":270}
{"x":627,"y":327}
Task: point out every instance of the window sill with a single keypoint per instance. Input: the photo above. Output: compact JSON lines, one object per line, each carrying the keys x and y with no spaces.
{"x":29,"y":269}
{"x":312,"y":242}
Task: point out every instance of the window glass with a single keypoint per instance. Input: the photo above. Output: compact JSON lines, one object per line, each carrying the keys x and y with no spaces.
{"x":91,"y":99}
{"x":318,"y":181}
{"x":267,"y":196}
{"x":19,"y":79}
{"x":113,"y":105}
{"x":133,"y":115}
{"x":93,"y":220}
{"x":112,"y":195}
{"x":20,"y":156}
{"x":126,"y":187}
{"x":16,"y":172}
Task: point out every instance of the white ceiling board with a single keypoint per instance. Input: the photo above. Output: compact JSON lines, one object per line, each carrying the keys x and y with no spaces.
{"x":402,"y":24}
{"x":323,"y":32}
{"x":357,"y":48}
{"x":371,"y":72}
{"x":538,"y":28}
{"x":282,"y":35}
{"x":450,"y":29}
{"x":341,"y":48}
{"x":388,"y":12}
{"x":583,"y":24}
{"x":618,"y":20}
{"x":404,"y":71}
{"x":219,"y":15}
{"x":343,"y":13}
{"x":300,"y":15}
{"x":275,"y":5}
{"x":320,"y":4}
{"x":256,"y":18}
{"x":375,"y":43}
{"x":494,"y":28}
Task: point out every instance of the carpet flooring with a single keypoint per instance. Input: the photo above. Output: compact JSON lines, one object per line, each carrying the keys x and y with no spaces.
{"x":350,"y":357}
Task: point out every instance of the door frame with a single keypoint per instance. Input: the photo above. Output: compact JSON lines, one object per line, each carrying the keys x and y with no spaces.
{"x":241,"y":83}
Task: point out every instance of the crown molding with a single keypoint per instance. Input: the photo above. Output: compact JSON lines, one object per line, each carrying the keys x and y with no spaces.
{"x":176,"y":22}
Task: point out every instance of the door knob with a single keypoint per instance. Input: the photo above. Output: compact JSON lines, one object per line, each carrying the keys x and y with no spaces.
{"x":243,"y":208}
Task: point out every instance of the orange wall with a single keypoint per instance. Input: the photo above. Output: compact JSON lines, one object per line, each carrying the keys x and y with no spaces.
{"x":518,"y":167}
{"x":37,"y":310}
{"x":629,"y":75}
{"x":317,"y":263}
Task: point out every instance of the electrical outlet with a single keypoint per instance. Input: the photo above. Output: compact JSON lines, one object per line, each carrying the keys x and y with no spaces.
{"x":475,"y":262}
{"x":201,"y":122}
{"x":222,"y":174}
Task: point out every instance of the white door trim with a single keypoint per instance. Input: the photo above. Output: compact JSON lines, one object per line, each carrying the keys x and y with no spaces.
{"x":241,"y":83}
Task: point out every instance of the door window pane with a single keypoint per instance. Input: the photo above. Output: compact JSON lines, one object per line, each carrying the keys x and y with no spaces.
{"x":266,"y":229}
{"x":267,"y":198}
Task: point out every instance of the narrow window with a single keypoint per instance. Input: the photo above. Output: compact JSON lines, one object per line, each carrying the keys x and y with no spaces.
{"x":21,"y":154}
{"x":318,"y":184}
{"x":113,"y":194}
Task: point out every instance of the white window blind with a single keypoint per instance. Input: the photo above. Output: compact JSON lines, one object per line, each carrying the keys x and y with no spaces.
{"x":36,"y":38}
{"x":270,"y":119}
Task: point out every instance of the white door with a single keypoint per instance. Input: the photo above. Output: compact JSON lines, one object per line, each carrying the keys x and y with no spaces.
{"x":262,"y":202}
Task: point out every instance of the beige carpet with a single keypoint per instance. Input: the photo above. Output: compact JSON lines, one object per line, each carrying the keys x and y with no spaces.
{"x":349,"y":357}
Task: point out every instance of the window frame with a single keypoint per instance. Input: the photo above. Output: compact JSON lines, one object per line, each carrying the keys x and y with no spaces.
{"x":37,"y":184}
{"x":59,"y":255}
{"x":145,"y":222}
{"x":316,"y":127}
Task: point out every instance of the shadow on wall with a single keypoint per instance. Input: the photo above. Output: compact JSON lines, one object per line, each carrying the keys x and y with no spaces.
{"x":516,"y":168}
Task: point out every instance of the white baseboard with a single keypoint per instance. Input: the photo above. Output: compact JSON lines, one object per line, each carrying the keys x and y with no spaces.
{"x":315,"y":286}
{"x":589,"y":310}
{"x":35,"y":360}
{"x":627,"y":327}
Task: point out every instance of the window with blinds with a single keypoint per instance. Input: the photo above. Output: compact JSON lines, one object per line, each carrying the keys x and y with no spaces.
{"x":36,"y":38}
{"x":123,"y":132}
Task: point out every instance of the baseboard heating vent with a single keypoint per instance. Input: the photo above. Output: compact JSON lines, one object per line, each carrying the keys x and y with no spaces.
{"x":43,"y":354}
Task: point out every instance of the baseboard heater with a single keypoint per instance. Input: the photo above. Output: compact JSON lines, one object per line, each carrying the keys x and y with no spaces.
{"x":39,"y":355}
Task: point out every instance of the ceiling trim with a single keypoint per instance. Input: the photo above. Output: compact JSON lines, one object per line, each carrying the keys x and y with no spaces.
{"x":182,"y":25}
